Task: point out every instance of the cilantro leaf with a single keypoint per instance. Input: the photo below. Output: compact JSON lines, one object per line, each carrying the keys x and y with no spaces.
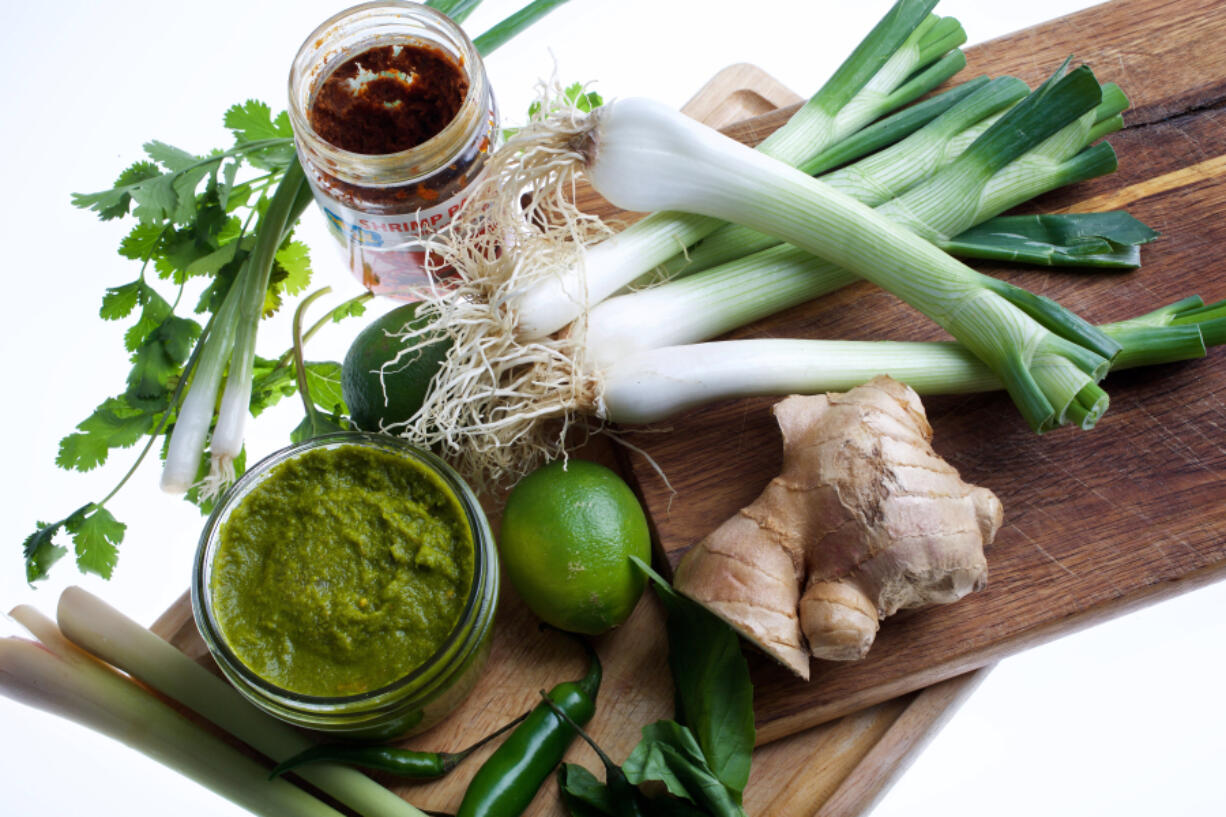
{"x":324,"y":384}
{"x":315,"y":425}
{"x":160,"y":358}
{"x":113,"y":203}
{"x":270,"y":382}
{"x":40,"y":549}
{"x":350,"y":309}
{"x":114,"y":424}
{"x":154,"y":311}
{"x":169,"y":156}
{"x":141,"y":241}
{"x":294,"y":258}
{"x":118,"y":302}
{"x":252,"y":121}
{"x":96,"y":537}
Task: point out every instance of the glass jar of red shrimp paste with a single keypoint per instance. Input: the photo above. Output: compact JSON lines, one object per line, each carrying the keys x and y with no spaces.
{"x":393,"y":119}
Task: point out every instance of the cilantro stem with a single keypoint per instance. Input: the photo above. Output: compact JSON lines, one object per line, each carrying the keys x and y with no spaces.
{"x":331,"y":317}
{"x":304,"y":390}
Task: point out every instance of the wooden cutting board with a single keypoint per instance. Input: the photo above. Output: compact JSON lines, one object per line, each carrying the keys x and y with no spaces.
{"x":1097,"y":523}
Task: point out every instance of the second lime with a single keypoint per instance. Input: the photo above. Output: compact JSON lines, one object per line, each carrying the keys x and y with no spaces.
{"x":568,"y":532}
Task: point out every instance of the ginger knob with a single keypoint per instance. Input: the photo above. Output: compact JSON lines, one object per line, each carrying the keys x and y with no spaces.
{"x":865,"y":519}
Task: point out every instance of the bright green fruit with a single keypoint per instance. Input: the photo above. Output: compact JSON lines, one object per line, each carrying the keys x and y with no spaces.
{"x":568,"y":532}
{"x":379,"y":396}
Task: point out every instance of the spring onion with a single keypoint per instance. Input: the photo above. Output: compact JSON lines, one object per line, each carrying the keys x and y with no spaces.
{"x":55,"y":676}
{"x":966,"y":191}
{"x":660,"y":383}
{"x":879,"y":76}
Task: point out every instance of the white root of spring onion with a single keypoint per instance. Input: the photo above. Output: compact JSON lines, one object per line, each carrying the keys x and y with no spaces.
{"x":58,"y":678}
{"x":103,"y":631}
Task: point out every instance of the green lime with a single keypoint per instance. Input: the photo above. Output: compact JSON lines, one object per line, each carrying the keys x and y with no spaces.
{"x":378,"y":392}
{"x":568,"y":531}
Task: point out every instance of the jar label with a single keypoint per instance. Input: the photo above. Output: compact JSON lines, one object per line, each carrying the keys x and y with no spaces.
{"x":387,"y":252}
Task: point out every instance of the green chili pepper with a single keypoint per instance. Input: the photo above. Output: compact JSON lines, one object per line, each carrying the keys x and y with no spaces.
{"x":627,"y":800}
{"x":400,"y":762}
{"x":509,"y":779}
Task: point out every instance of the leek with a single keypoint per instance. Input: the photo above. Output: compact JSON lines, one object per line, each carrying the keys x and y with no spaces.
{"x":645,"y":157}
{"x":874,"y":80}
{"x":964,"y":192}
{"x":660,"y":383}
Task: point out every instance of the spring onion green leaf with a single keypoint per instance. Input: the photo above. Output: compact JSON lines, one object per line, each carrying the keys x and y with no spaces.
{"x":1100,"y":240}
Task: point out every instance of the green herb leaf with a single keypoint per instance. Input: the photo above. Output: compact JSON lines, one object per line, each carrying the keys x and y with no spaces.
{"x":169,"y":156}
{"x":114,"y":424}
{"x":118,"y":302}
{"x":315,"y":425}
{"x":96,"y":537}
{"x":648,"y":761}
{"x":158,"y":360}
{"x":269,"y":383}
{"x":252,"y":121}
{"x":40,"y":550}
{"x":352,"y":308}
{"x":154,"y":311}
{"x":714,"y":692}
{"x":141,"y":241}
{"x":294,"y":259}
{"x":114,"y":203}
{"x":582,"y":794}
{"x":324,"y":383}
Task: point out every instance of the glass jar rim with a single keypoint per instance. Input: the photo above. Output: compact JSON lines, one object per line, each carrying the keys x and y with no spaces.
{"x":440,"y":661}
{"x":404,"y":166}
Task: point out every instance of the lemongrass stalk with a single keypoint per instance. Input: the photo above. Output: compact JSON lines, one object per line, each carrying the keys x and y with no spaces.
{"x":58,"y":679}
{"x":293,"y":196}
{"x":660,"y":383}
{"x":643,"y":157}
{"x":103,"y":631}
{"x":717,"y":300}
{"x":905,"y":40}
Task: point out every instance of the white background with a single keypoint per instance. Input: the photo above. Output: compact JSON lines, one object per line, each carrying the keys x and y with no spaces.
{"x":1125,"y":719}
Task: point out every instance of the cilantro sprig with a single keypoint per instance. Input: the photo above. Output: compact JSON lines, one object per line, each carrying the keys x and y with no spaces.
{"x":192,"y":231}
{"x":194,"y":217}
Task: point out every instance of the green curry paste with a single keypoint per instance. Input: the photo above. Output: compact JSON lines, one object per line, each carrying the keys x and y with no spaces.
{"x":342,"y":571}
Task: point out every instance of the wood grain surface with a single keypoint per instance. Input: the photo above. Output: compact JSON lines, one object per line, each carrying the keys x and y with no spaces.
{"x":1097,"y":522}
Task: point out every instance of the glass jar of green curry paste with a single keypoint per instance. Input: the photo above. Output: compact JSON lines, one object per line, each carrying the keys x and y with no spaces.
{"x":348,"y":584}
{"x":393,"y":118}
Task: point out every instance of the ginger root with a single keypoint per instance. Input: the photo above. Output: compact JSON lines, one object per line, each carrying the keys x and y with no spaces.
{"x":865,"y":517}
